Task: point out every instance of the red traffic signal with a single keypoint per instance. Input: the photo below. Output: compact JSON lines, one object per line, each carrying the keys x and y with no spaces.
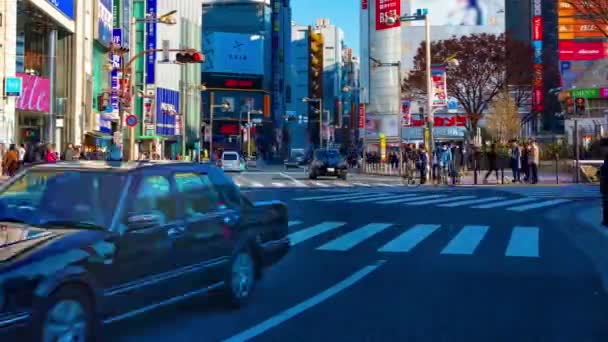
{"x":189,"y":57}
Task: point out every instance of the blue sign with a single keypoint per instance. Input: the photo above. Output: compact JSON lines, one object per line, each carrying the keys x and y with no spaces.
{"x":116,"y":65}
{"x":131,"y":120}
{"x":151,"y":43}
{"x":538,"y":51}
{"x":104,"y":22}
{"x":64,"y":6}
{"x":167,"y":106}
{"x":13,"y":86}
{"x":126,"y":22}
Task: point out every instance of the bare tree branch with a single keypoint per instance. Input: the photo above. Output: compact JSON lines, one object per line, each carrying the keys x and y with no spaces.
{"x":594,"y":11}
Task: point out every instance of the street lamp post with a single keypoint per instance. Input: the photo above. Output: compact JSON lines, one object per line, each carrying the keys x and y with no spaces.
{"x":361,"y":90}
{"x":320,"y":101}
{"x":249,"y":112}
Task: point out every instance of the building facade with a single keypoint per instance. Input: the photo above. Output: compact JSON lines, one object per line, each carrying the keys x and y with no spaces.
{"x":245,"y":68}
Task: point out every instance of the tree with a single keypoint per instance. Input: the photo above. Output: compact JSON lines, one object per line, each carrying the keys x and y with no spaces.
{"x":594,"y":11}
{"x":487,"y":63}
{"x":503,"y":121}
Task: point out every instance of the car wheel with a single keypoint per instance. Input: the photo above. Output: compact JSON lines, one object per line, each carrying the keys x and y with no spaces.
{"x":67,"y":315}
{"x":241,"y":279}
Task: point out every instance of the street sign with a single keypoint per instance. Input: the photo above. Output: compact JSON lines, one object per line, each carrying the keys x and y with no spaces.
{"x":132,"y":120}
{"x":13,"y":86}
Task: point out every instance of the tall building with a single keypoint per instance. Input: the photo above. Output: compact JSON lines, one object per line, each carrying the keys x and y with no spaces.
{"x":297,"y":86}
{"x":245,"y":67}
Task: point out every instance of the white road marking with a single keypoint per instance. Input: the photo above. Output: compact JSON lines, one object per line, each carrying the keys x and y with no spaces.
{"x":466,"y":241}
{"x":383,"y":197}
{"x":277,"y":184}
{"x":523,"y":243}
{"x":303,"y":306}
{"x":385,"y":185}
{"x":342,"y":184}
{"x":475,"y":201}
{"x":348,"y":194}
{"x":344,"y":197}
{"x":350,"y":240}
{"x":409,"y":199}
{"x":257,"y":185}
{"x":408,"y":240}
{"x":503,"y":203}
{"x":362,"y":184}
{"x":441,"y":200}
{"x":310,"y":232}
{"x":296,"y":182}
{"x":319,"y":184}
{"x":538,"y":205}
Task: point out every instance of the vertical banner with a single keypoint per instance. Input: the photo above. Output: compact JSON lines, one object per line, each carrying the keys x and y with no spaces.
{"x":386,"y":9}
{"x":537,"y":44}
{"x":116,"y":73}
{"x":104,"y":22}
{"x":383,"y":147}
{"x":361,"y":115}
{"x":151,"y":43}
{"x":439,"y":84}
{"x":406,"y":112}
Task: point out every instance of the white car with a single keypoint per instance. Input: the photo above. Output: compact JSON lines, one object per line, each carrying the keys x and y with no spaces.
{"x":232,"y":161}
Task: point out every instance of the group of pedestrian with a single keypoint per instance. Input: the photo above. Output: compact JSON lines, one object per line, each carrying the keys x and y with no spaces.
{"x":525,"y":160}
{"x":18,"y":156}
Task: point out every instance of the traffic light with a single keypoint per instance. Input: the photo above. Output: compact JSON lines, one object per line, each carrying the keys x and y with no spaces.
{"x":315,"y":65}
{"x":189,"y":57}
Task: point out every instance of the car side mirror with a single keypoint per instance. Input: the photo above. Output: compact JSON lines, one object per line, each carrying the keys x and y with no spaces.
{"x":143,"y":221}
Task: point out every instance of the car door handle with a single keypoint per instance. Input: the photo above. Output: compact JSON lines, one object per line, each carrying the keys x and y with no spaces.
{"x":175,"y":231}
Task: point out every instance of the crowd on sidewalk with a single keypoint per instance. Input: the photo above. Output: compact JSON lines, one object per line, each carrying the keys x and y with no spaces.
{"x":452,"y":160}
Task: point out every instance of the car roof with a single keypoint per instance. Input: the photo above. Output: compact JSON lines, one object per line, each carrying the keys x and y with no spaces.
{"x":230,"y":152}
{"x":117,"y":166}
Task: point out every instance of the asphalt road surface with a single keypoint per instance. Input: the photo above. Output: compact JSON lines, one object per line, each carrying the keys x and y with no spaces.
{"x":380,"y":264}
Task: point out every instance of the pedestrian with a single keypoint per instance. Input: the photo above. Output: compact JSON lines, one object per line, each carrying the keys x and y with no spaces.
{"x":525,"y":162}
{"x":10,"y":162}
{"x":534,"y":161}
{"x":69,"y":154}
{"x":515,"y":161}
{"x":492,"y":163}
{"x":50,"y":155}
{"x":423,"y":162}
{"x":21,"y":150}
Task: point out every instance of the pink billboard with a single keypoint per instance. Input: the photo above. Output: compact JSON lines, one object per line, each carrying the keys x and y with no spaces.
{"x":36,"y":95}
{"x":581,"y":51}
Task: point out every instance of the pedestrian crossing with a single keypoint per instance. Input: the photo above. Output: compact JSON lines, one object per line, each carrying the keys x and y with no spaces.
{"x":439,"y":199}
{"x":573,"y":191}
{"x":466,"y":240}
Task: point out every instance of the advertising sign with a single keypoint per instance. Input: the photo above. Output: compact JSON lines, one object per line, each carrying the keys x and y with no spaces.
{"x":237,"y":53}
{"x":64,"y":6}
{"x":361,"y":115}
{"x":460,"y":13}
{"x":587,"y":93}
{"x":13,"y":86}
{"x":364,"y":4}
{"x":441,"y":120}
{"x":406,"y":112}
{"x":537,"y":28}
{"x":151,"y":43}
{"x":104,"y":22}
{"x":582,"y":51}
{"x":440,"y":93}
{"x":386,"y":9}
{"x":116,"y":64}
{"x":537,"y":45}
{"x":126,"y":22}
{"x":35,"y":96}
{"x":375,"y":124}
{"x":167,"y":108}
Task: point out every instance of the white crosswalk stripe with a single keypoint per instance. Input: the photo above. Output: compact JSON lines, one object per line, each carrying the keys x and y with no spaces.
{"x":362,"y":184}
{"x":278,"y":184}
{"x":522,"y":241}
{"x":441,"y":200}
{"x":321,"y":185}
{"x":538,"y":205}
{"x":384,"y":197}
{"x":504,"y":203}
{"x":409,"y":199}
{"x":469,"y":202}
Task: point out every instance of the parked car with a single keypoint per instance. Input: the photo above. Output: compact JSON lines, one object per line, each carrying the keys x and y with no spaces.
{"x":232,"y":161}
{"x":297,"y":159}
{"x":328,"y":162}
{"x":106,"y":242}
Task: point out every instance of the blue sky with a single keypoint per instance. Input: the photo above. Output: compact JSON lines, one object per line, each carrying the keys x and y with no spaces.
{"x":342,"y":13}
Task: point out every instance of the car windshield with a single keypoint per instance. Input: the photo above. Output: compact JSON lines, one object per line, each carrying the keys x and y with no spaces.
{"x":80,"y":198}
{"x":230,"y":156}
{"x":327,"y":154}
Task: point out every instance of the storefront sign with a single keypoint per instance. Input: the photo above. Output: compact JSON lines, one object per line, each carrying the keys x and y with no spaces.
{"x":440,"y":93}
{"x":151,"y":43}
{"x":538,"y":11}
{"x":406,"y":112}
{"x":361,"y":115}
{"x":587,"y":93}
{"x":126,"y":22}
{"x":582,"y":51}
{"x":104,"y":22}
{"x":116,"y":64}
{"x":116,"y":13}
{"x":64,"y":6}
{"x":167,"y":108}
{"x":538,"y":51}
{"x":441,"y":121}
{"x":386,"y":9}
{"x":13,"y":86}
{"x":35,"y":95}
{"x":537,"y":28}
{"x":364,"y":4}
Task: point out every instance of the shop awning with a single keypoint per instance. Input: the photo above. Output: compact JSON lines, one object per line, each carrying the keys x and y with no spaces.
{"x":150,"y":137}
{"x":99,"y":135}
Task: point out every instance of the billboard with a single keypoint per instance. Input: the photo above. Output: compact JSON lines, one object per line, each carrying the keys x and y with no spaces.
{"x":104,"y":22}
{"x":440,"y":95}
{"x":151,"y":43}
{"x":537,"y":43}
{"x":461,"y":12}
{"x":386,"y":9}
{"x":573,"y":25}
{"x":582,"y":51}
{"x":234,"y":53}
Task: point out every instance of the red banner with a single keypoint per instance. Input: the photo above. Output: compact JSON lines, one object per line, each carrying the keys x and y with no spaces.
{"x":582,"y":51}
{"x":443,"y":121}
{"x":386,"y":9}
{"x":364,"y":4}
{"x":361,"y":115}
{"x":537,"y":28}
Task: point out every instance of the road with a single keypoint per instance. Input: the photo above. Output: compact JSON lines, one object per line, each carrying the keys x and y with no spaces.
{"x":373,"y":263}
